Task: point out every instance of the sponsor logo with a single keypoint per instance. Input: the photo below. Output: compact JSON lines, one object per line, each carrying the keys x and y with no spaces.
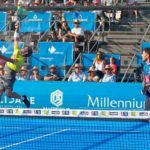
{"x":133,"y":113}
{"x":37,"y":112}
{"x":46,"y":112}
{"x":18,"y":111}
{"x":74,"y":113}
{"x":65,"y":112}
{"x":27,"y":111}
{"x":124,"y":113}
{"x":9,"y":111}
{"x":94,"y":113}
{"x":83,"y":113}
{"x":143,"y":113}
{"x":2,"y":111}
{"x":55,"y":112}
{"x":103,"y":113}
{"x":113,"y":113}
{"x":106,"y":102}
{"x":56,"y":98}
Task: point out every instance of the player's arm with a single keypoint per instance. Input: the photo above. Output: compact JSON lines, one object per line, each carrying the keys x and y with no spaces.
{"x":7,"y":59}
{"x":16,"y":39}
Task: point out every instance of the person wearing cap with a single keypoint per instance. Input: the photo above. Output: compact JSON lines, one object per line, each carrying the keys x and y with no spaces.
{"x":77,"y":33}
{"x":35,"y":74}
{"x":52,"y":75}
{"x":77,"y":75}
{"x":63,"y":31}
{"x":108,"y":76}
{"x":23,"y":74}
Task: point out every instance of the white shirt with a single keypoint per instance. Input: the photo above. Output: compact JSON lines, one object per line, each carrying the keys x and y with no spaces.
{"x":80,"y":77}
{"x":109,"y":78}
{"x":78,"y":31}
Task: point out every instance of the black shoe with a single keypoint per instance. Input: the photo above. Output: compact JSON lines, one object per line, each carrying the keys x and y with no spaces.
{"x":26,"y":101}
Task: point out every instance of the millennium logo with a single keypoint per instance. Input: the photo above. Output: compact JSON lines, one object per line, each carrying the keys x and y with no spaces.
{"x":56,"y":98}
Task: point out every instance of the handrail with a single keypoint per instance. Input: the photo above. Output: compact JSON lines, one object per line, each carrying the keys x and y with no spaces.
{"x":89,"y":50}
{"x":135,"y":54}
{"x":71,"y":67}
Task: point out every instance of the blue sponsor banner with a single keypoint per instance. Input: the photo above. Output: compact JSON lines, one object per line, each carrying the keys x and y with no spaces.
{"x":70,"y":95}
{"x":88,"y":59}
{"x":145,"y":45}
{"x":36,"y":22}
{"x":58,"y":49}
{"x":3,"y":18}
{"x":43,"y":61}
{"x":87,"y":19}
{"x":7,"y":48}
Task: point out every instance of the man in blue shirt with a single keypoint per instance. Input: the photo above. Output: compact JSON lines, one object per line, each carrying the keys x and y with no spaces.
{"x":146,"y":76}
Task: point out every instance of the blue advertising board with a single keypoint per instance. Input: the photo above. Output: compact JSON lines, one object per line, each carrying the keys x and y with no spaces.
{"x":7,"y":48}
{"x":3,"y":18}
{"x":36,"y":22}
{"x":87,"y":19}
{"x":84,"y":95}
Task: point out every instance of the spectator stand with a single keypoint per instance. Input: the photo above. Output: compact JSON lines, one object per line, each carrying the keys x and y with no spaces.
{"x":88,"y":58}
{"x":87,"y":22}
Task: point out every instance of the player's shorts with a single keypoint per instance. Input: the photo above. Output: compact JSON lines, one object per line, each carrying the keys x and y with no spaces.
{"x":7,"y":82}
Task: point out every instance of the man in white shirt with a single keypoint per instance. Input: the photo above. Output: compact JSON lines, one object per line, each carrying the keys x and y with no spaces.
{"x":77,"y":75}
{"x":108,"y":76}
{"x":77,"y":32}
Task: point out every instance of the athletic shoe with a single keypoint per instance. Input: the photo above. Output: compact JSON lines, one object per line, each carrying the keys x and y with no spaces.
{"x":26,"y":101}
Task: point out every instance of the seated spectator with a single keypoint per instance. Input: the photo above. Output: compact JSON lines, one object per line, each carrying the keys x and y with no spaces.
{"x":1,"y":70}
{"x":99,"y":65}
{"x":63,"y":31}
{"x":91,"y":75}
{"x":71,"y":3}
{"x":113,"y":65}
{"x":77,"y":75}
{"x":23,"y":74}
{"x":108,"y":76}
{"x":77,"y":33}
{"x":35,"y":74}
{"x":52,"y":75}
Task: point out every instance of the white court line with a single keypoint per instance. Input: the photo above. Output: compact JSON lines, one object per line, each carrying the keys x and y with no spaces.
{"x":34,"y":139}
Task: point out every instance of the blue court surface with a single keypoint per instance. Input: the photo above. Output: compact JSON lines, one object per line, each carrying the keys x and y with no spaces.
{"x":36,"y":133}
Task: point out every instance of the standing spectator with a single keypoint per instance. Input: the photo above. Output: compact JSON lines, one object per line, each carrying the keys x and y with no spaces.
{"x":77,"y":32}
{"x":146,"y":76}
{"x":99,"y":65}
{"x":52,"y":75}
{"x":108,"y":76}
{"x":113,"y":65}
{"x":63,"y":31}
{"x":35,"y":74}
{"x":77,"y":75}
{"x":23,"y":74}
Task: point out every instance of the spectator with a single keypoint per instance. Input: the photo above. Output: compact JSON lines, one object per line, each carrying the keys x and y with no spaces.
{"x":99,"y":65}
{"x":71,"y":3}
{"x":64,"y":31}
{"x":52,"y":75}
{"x":77,"y":75}
{"x":91,"y":75}
{"x":77,"y":32}
{"x":1,"y":70}
{"x":23,"y":75}
{"x":113,"y":65}
{"x":108,"y":76}
{"x":35,"y":74}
